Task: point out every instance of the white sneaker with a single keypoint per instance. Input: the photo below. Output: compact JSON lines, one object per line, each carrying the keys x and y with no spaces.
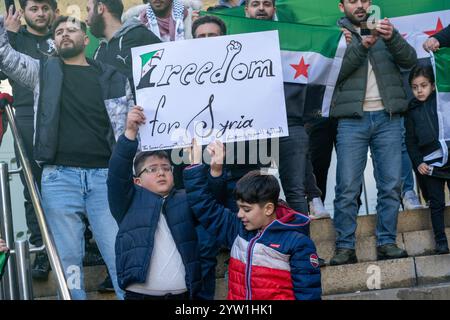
{"x":317,"y":209}
{"x":411,"y":201}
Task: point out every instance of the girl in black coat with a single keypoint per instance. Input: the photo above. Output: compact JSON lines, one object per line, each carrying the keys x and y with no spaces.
{"x":422,"y":138}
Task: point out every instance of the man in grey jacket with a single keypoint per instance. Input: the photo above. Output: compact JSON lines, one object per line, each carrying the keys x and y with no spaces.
{"x":368,"y":100}
{"x":80,"y":110}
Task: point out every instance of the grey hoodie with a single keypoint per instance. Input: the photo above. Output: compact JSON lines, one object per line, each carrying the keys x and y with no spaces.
{"x":117,"y":51}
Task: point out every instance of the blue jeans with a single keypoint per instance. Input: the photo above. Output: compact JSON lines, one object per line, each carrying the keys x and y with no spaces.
{"x":68,"y":193}
{"x":383,"y":135}
{"x":407,"y":169}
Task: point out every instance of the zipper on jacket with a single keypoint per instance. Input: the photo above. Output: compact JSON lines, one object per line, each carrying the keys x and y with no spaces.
{"x":248,"y":271}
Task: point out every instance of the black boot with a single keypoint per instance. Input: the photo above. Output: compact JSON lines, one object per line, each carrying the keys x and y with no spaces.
{"x":442,"y":247}
{"x":41,"y":267}
{"x":390,"y":251}
{"x":106,"y":286}
{"x":343,"y":256}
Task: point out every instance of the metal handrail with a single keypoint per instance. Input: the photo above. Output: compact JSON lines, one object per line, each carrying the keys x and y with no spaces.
{"x":47,"y":238}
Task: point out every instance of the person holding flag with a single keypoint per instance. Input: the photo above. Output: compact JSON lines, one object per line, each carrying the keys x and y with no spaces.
{"x":438,"y":40}
{"x":422,"y":138}
{"x":367,"y":102}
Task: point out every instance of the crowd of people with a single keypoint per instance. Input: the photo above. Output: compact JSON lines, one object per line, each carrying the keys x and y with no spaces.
{"x":159,"y":228}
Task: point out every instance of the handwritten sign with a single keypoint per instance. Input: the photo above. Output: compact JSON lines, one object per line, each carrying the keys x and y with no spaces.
{"x":227,"y":88}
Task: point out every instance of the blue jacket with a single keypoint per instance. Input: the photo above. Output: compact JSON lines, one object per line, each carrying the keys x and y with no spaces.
{"x":137,"y":211}
{"x":279,"y":262}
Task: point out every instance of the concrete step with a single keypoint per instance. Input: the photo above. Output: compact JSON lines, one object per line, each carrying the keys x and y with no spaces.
{"x":408,"y":221}
{"x":371,"y":277}
{"x":93,"y":276}
{"x":398,"y":273}
{"x":428,"y":292}
{"x":414,"y":235}
{"x":94,"y":295}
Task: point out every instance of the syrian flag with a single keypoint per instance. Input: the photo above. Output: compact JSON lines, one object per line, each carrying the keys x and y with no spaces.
{"x":441,"y":65}
{"x":147,"y":64}
{"x":311,"y":58}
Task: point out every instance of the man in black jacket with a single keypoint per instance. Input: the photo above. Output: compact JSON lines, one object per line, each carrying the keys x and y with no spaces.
{"x":33,"y":39}
{"x":438,"y":40}
{"x":104,"y":19}
{"x":80,"y":110}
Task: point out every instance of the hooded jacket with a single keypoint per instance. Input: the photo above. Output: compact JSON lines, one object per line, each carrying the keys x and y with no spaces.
{"x":35,"y":47}
{"x":422,"y":129}
{"x":386,"y":57}
{"x":277,"y":263}
{"x":117,"y":51}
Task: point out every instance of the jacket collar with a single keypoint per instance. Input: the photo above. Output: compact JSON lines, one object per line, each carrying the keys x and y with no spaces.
{"x":416,"y":103}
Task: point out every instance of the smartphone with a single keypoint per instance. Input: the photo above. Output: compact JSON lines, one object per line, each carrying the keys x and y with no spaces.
{"x":3,"y":261}
{"x":8,"y":4}
{"x":366,"y":31}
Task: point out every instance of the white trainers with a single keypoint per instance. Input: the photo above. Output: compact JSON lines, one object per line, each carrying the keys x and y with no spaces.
{"x":411,"y":201}
{"x":317,"y":209}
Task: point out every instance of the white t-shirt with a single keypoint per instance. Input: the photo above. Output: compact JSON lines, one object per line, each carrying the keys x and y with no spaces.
{"x":166,"y":273}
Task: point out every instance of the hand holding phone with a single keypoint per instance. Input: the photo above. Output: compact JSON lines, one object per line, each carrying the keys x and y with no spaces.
{"x":12,"y":20}
{"x":8,"y":4}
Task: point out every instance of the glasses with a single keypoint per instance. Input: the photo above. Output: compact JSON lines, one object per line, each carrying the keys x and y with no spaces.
{"x":156,"y":169}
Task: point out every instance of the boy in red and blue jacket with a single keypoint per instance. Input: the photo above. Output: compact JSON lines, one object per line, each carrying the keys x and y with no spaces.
{"x":272,"y":258}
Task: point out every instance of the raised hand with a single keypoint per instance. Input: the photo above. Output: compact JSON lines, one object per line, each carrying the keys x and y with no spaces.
{"x":385,"y":29}
{"x":216,"y":150}
{"x":135,"y":118}
{"x":12,"y":21}
{"x":348,"y":35}
{"x":432,"y":44}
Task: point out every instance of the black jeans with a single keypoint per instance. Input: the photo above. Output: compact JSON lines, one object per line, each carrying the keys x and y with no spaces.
{"x":436,"y":195}
{"x":292,"y":164}
{"x":25,"y":125}
{"x":322,"y":137}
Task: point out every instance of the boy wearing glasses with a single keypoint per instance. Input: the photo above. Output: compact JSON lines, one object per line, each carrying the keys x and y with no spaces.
{"x":157,"y":252}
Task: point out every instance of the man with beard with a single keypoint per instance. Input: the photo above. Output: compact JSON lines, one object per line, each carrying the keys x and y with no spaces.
{"x":81,"y":107}
{"x":170,"y":20}
{"x":33,"y":39}
{"x":260,"y":9}
{"x":104,"y":20}
{"x":367,"y":102}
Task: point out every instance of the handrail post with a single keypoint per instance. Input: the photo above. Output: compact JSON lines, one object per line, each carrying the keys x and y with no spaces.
{"x":47,"y":237}
{"x":22,"y":255}
{"x":10,"y":289}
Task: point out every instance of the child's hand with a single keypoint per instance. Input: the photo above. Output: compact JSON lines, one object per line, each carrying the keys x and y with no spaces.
{"x":3,"y":247}
{"x":194,"y":152}
{"x":135,"y":118}
{"x":424,"y":169}
{"x":217,"y":152}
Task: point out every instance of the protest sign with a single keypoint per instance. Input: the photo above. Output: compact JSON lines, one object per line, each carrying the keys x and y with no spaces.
{"x":227,"y":88}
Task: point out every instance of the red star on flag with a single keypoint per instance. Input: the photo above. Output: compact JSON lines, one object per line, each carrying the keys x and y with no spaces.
{"x":439,"y":27}
{"x":301,"y":69}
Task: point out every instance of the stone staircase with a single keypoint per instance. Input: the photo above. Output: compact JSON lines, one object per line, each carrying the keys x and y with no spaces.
{"x":420,"y":276}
